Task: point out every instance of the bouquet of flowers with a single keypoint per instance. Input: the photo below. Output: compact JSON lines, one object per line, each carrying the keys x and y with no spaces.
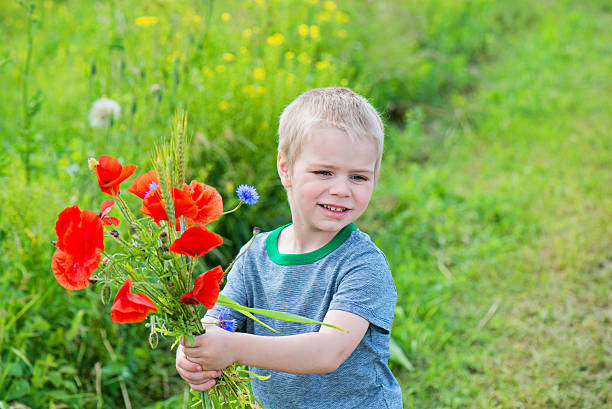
{"x":155,"y":268}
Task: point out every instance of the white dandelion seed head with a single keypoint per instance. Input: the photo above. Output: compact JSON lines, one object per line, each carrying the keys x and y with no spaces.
{"x":102,"y":111}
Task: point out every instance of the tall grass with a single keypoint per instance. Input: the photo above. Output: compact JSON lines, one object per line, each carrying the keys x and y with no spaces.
{"x":233,"y":66}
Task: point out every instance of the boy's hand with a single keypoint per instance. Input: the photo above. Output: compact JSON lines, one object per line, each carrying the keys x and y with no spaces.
{"x":211,"y":350}
{"x":196,"y":377}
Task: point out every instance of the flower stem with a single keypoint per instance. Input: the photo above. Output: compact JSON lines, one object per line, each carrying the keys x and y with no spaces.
{"x":239,"y":255}
{"x":233,"y":210}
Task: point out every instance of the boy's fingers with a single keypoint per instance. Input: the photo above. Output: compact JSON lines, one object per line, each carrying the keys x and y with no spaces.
{"x":204,"y":386}
{"x":198,"y":378}
{"x":187,"y":365}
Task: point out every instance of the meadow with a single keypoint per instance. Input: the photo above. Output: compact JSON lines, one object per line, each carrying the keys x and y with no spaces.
{"x":493,"y":206}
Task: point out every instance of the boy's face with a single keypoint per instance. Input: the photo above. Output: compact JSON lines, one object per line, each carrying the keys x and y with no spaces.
{"x":330,"y":182}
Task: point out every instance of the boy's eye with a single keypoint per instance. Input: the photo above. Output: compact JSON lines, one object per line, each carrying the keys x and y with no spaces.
{"x":359,"y":178}
{"x":322,"y":172}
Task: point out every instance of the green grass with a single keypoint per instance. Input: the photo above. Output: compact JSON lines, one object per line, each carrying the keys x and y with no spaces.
{"x":512,"y":302}
{"x":493,"y":204}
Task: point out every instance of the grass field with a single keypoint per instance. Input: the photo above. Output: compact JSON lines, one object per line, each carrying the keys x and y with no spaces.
{"x":521,"y":317}
{"x":493,"y":206}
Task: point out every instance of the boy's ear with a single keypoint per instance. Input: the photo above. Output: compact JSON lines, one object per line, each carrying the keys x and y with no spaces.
{"x":283,"y":170}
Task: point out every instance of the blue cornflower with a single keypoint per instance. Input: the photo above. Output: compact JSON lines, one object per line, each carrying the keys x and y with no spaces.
{"x":247,"y":194}
{"x":224,"y":323}
{"x":152,"y":187}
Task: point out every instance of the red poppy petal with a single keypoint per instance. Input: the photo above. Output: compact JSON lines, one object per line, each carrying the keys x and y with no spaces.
{"x":71,"y":273}
{"x":106,"y":207}
{"x":141,"y":185}
{"x":141,"y":300}
{"x":124,"y":289}
{"x":208,"y":201}
{"x":67,"y":217}
{"x":206,"y":287}
{"x":111,"y":221}
{"x":196,"y":241}
{"x":183,"y":204}
{"x":188,"y":298}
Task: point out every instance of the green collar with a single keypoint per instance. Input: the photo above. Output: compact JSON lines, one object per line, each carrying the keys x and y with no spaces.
{"x":305,"y":258}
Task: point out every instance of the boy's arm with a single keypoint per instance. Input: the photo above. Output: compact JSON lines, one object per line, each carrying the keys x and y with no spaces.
{"x":310,"y":353}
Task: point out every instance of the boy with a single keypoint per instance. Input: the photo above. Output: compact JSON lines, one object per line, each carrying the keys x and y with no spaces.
{"x":320,"y":266}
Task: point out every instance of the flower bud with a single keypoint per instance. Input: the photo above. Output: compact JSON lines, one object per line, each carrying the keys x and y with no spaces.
{"x":167,"y":255}
{"x":92,"y":163}
{"x":170,"y":284}
{"x":105,"y":294}
{"x":256,"y":230}
{"x":163,"y":236}
{"x":114,"y":233}
{"x":105,"y":261}
{"x":153,"y":338}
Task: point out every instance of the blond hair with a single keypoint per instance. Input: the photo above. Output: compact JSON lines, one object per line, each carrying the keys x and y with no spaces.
{"x":332,"y":106}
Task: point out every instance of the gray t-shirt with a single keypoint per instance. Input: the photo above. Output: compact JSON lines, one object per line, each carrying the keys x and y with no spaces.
{"x":349,"y":273}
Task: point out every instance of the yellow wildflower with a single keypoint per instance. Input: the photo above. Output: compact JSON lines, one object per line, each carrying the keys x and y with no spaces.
{"x":290,"y":78}
{"x":48,"y":4}
{"x":243,"y":50}
{"x":220,"y":68}
{"x":259,"y":2}
{"x":208,"y":72}
{"x":341,"y":34}
{"x":344,"y":82}
{"x":196,"y":19}
{"x":314,"y":1}
{"x":224,"y":105}
{"x":276,"y":39}
{"x":249,"y":89}
{"x":259,"y":74}
{"x":329,"y":6}
{"x":323,"y":16}
{"x":342,"y":17}
{"x":315,"y":31}
{"x":322,"y":65}
{"x":226,"y":16}
{"x":229,"y":57}
{"x":289,"y":55}
{"x":304,"y":58}
{"x":260,"y":89}
{"x":303,"y":30}
{"x":146,"y":21}
{"x":265,"y":126}
{"x":247,"y":32}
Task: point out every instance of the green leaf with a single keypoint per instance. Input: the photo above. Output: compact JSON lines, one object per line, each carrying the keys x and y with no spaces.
{"x":398,"y":356}
{"x":284,"y":316}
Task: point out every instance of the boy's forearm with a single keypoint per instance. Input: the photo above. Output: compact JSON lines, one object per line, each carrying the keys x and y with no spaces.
{"x":310,"y":353}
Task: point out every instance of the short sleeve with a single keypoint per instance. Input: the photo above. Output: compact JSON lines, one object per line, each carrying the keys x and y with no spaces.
{"x":367,"y":289}
{"x":234,"y":289}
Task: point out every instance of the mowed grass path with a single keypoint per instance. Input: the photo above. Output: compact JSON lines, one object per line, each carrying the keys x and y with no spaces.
{"x":532,"y":326}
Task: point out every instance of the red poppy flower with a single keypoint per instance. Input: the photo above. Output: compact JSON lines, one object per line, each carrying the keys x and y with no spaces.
{"x":153,"y":205}
{"x":206,"y":287}
{"x":79,"y":233}
{"x":72,"y":273}
{"x":207,"y":199}
{"x":189,"y":298}
{"x":195,"y":242}
{"x":144,"y":184}
{"x":110,"y":174}
{"x":105,"y":208}
{"x":129,"y":307}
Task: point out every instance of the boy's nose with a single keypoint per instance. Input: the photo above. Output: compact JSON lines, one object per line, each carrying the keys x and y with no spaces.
{"x":339,"y":188}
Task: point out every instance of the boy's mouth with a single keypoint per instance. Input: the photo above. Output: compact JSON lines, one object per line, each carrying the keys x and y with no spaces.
{"x":334,"y":208}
